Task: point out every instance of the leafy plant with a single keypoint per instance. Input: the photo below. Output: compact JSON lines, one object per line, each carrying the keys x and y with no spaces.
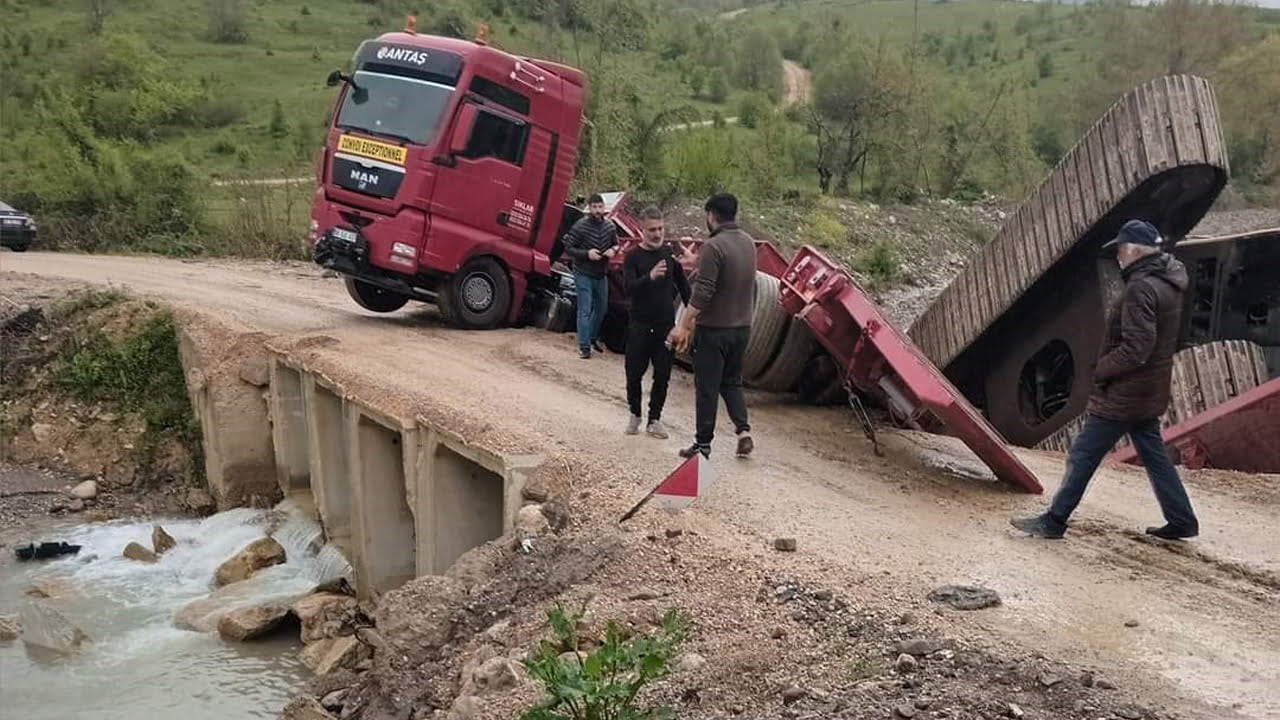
{"x":601,"y":684}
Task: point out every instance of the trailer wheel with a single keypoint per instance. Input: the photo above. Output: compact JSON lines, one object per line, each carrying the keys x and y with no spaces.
{"x":478,"y":296}
{"x":789,"y":364}
{"x":768,"y":323}
{"x":374,"y":298}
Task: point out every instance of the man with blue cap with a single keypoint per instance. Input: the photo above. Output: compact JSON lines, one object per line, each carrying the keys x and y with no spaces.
{"x":1131,"y":386}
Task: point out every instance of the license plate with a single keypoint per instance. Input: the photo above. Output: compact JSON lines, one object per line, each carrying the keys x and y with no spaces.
{"x":343,"y":235}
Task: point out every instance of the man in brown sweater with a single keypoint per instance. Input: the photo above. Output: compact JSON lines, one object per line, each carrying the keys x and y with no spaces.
{"x":1131,"y":386}
{"x":717,"y":324}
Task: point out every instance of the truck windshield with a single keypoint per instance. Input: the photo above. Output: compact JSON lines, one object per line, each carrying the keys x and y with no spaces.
{"x":394,"y":106}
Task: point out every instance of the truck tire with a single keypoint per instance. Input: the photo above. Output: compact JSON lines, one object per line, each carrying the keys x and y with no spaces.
{"x":768,"y":323}
{"x":374,"y":298}
{"x":478,"y":296}
{"x":784,"y":371}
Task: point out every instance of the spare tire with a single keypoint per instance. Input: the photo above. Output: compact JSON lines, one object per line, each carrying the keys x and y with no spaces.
{"x":768,"y":324}
{"x":784,"y":371}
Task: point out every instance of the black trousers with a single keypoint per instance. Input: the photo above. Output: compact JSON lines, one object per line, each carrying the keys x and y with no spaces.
{"x":717,"y":373}
{"x":646,"y":345}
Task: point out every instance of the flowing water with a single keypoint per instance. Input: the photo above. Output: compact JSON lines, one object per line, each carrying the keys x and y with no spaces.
{"x":138,"y":665}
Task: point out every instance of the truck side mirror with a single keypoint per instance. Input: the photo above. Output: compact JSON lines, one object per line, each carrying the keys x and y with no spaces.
{"x":462,"y":129}
{"x":334,"y":78}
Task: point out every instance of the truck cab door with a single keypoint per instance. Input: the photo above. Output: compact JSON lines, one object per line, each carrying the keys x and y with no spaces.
{"x":475,"y":196}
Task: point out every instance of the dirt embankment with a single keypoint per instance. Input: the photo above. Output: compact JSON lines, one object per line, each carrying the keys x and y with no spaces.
{"x":88,"y":395}
{"x":813,"y":633}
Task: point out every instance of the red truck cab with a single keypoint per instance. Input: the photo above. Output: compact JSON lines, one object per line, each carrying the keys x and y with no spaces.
{"x":444,"y":176}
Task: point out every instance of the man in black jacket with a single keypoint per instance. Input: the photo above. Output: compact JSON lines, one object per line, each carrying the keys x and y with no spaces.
{"x":590,"y":243}
{"x":1131,"y":386}
{"x":653,"y":278}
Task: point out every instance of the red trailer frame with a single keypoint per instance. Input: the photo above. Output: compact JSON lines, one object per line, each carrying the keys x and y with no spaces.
{"x":879,"y":360}
{"x":1241,"y":434}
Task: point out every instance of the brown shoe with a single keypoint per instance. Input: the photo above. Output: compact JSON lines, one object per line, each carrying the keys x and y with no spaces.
{"x":745,"y":445}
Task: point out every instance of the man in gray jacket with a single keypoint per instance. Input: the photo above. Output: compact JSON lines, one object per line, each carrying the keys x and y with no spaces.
{"x":721,"y":308}
{"x":590,"y":243}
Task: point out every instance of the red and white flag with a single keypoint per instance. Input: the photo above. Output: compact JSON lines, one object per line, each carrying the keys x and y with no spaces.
{"x":679,"y":489}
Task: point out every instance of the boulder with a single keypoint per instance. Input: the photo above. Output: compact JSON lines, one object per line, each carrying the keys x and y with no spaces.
{"x":259,"y":554}
{"x":10,"y":628}
{"x":162,"y":541}
{"x":137,"y":552}
{"x":465,"y":708}
{"x":252,"y":622}
{"x":49,"y":589}
{"x":345,"y":652}
{"x":45,"y":627}
{"x":531,"y":520}
{"x":86,"y":490}
{"x":314,"y":653}
{"x":305,"y":709}
{"x":494,"y":675}
{"x":202,"y":615}
{"x":322,"y":614}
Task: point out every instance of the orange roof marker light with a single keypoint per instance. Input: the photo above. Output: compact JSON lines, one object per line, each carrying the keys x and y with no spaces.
{"x":482,"y":33}
{"x":411,"y":24}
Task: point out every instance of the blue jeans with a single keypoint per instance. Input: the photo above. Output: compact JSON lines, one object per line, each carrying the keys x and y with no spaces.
{"x":1095,"y":441}
{"x":593,"y":302}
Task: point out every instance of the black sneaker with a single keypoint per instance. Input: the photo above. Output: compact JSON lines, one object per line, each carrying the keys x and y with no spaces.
{"x":584,"y":354}
{"x":694,"y":449}
{"x":745,"y":445}
{"x":1169,"y":532}
{"x":598,"y":347}
{"x":1040,"y":526}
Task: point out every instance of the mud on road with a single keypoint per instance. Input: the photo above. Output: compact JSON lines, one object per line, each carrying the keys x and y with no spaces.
{"x":1207,"y":639}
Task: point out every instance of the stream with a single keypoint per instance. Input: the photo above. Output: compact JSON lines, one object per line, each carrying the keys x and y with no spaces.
{"x":138,"y":664}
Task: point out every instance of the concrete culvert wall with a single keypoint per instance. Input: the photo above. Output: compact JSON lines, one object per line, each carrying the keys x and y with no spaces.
{"x":385,"y":545}
{"x":330,"y":469}
{"x":289,"y":431}
{"x":467,"y":502}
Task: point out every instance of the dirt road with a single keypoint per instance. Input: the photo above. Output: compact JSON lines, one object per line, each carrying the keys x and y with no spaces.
{"x":1207,"y":643}
{"x":799,"y":83}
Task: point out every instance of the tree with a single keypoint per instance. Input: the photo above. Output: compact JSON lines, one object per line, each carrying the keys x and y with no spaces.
{"x":1044,"y":65}
{"x":696,"y":80}
{"x":99,"y":10}
{"x":227,"y":21}
{"x":759,"y":64}
{"x":717,"y":87}
{"x":279,"y":127}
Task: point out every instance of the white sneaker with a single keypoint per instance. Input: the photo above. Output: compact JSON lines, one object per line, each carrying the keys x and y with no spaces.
{"x":633,"y":425}
{"x":656,"y":429}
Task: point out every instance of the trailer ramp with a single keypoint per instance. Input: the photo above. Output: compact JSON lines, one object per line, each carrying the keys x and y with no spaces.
{"x":880,"y":361}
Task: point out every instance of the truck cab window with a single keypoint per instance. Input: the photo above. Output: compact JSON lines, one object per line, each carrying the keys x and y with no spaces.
{"x":498,"y":137}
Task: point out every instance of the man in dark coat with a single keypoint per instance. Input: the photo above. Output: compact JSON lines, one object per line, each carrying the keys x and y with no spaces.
{"x":1131,"y":386}
{"x":591,"y":243}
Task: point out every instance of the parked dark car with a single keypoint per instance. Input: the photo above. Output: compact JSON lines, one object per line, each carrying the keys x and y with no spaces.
{"x":17,"y":229}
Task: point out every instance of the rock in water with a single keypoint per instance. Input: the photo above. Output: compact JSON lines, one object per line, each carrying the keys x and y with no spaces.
{"x":10,"y":628}
{"x":136,"y":552}
{"x":86,"y":490}
{"x":322,"y":614}
{"x":965,"y":597}
{"x":305,"y":709}
{"x":261,"y":553}
{"x":45,"y":627}
{"x":162,"y":541}
{"x":253,"y":622}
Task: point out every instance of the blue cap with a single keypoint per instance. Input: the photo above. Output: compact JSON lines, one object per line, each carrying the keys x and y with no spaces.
{"x":1137,"y":232}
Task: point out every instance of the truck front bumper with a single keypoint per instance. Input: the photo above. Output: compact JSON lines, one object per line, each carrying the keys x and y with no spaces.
{"x":352,"y":259}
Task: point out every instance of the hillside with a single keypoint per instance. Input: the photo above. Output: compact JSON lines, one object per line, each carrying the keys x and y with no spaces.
{"x":909,"y":102}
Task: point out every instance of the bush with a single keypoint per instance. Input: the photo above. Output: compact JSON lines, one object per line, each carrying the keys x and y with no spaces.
{"x":605,"y":682}
{"x":880,"y":263}
{"x":227,"y":21}
{"x":754,"y":109}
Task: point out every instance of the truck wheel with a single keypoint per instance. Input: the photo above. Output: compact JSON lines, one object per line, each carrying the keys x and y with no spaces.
{"x":374,"y":298}
{"x":478,"y":297}
{"x":768,"y":323}
{"x":788,"y":365}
